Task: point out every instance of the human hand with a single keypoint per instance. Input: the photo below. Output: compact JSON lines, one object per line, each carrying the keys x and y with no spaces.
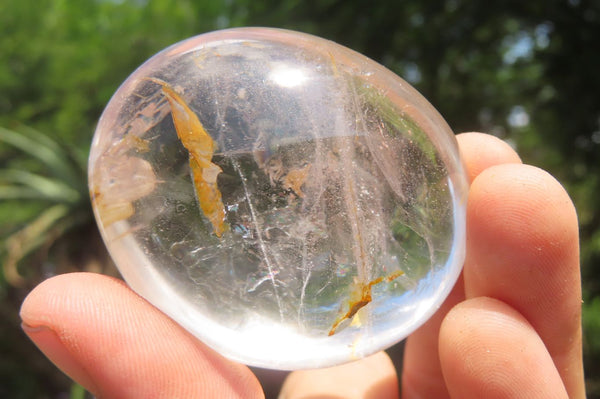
{"x":510,"y":328}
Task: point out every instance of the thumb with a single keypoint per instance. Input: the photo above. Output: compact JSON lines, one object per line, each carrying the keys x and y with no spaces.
{"x":117,"y":345}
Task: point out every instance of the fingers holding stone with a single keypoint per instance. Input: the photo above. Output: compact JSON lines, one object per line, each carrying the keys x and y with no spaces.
{"x":522,"y":249}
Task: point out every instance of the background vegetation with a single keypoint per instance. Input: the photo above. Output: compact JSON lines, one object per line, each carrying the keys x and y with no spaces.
{"x":527,"y":72}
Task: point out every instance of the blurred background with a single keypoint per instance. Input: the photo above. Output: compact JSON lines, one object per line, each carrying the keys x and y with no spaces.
{"x":527,"y":72}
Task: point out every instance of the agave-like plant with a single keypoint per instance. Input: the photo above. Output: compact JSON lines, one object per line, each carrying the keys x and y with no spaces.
{"x":46,"y":180}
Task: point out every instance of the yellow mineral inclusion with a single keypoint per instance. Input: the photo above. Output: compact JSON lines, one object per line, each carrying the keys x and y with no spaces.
{"x":295,"y":179}
{"x":201,"y":148}
{"x":361,"y":297}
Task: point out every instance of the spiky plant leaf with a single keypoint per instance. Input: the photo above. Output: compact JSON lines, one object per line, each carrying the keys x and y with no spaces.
{"x":54,"y":181}
{"x":46,"y":188}
{"x":43,"y":149}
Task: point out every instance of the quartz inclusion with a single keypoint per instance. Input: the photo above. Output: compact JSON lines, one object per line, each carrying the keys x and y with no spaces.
{"x":336,"y":178}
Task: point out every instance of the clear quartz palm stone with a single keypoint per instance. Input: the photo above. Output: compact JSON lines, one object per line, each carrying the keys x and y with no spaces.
{"x":288,"y":201}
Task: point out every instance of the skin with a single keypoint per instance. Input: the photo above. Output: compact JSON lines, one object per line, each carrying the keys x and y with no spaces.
{"x":510,"y":329}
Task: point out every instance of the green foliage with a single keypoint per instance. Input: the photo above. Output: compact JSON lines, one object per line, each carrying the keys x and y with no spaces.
{"x":51,"y":178}
{"x":77,"y":392}
{"x":591,"y":319}
{"x":65,"y":58}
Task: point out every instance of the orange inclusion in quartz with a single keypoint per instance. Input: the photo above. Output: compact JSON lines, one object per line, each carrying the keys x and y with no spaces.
{"x":201,"y":148}
{"x":360,"y":297}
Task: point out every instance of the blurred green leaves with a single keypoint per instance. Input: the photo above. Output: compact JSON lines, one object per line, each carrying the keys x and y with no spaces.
{"x":64,"y":59}
{"x":52,"y":181}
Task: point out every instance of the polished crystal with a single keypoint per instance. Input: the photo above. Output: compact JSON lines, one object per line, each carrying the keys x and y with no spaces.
{"x":288,"y":201}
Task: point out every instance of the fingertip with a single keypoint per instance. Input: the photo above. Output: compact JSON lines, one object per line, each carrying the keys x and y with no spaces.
{"x":488,"y":349}
{"x":123,"y":345}
{"x":45,"y":304}
{"x":373,"y":377}
{"x":480,"y":151}
{"x":524,"y":209}
{"x":50,"y":344}
{"x":47,"y":319}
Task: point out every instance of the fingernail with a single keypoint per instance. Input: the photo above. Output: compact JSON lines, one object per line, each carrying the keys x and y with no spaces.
{"x":48,"y":341}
